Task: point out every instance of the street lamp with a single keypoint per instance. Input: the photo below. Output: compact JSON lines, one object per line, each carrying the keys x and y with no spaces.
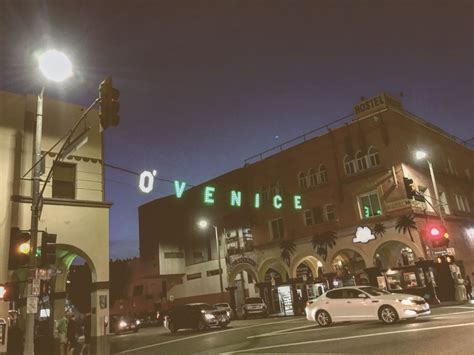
{"x":203,"y":224}
{"x":55,"y":66}
{"x":420,"y":155}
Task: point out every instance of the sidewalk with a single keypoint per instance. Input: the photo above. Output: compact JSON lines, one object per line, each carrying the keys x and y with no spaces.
{"x":451,"y":303}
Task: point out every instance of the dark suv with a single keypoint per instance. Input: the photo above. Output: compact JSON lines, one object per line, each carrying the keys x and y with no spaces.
{"x":198,"y":316}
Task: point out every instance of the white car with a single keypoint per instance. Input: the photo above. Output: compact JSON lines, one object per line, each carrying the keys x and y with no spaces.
{"x":364,"y":303}
{"x":254,"y":306}
{"x":225,"y":307}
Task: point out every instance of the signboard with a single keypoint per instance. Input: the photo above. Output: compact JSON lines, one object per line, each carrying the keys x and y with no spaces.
{"x":375,"y":104}
{"x":363,"y":235}
{"x":242,"y":260}
{"x":35,"y":287}
{"x":382,"y":283}
{"x":32,"y":305}
{"x":450,"y":251}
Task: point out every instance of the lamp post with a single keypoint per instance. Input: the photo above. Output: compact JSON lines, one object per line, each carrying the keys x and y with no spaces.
{"x":203,"y":224}
{"x":55,"y":66}
{"x":422,"y":155}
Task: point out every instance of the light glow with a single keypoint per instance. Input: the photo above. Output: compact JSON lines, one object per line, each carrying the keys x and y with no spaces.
{"x":147,"y":179}
{"x":235,"y":198}
{"x":209,"y":194}
{"x":55,"y":65}
{"x":277,"y":201}
{"x":419,"y":154}
{"x":257,"y":200}
{"x":297,"y":202}
{"x":24,"y":248}
{"x":203,"y":224}
{"x":434,"y":231}
{"x":179,"y":187}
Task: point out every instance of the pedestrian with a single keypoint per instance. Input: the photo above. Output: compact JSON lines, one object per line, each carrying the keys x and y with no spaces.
{"x":87,"y":335}
{"x":15,"y":340}
{"x":468,"y":285}
{"x":72,"y":335}
{"x":61,"y":327}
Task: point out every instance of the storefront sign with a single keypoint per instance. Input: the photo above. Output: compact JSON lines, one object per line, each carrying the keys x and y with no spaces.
{"x":243,"y":260}
{"x":363,"y":235}
{"x":375,"y":103}
{"x":236,"y":199}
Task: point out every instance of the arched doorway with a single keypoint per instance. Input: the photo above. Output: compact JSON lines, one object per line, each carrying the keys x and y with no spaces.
{"x":394,"y":254}
{"x":242,"y":281}
{"x":349,"y":266}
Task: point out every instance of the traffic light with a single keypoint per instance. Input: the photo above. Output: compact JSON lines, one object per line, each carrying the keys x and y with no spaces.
{"x":409,"y":188}
{"x":48,"y":249}
{"x":9,"y":291}
{"x":19,"y":252}
{"x":109,"y":104}
{"x":439,"y":236}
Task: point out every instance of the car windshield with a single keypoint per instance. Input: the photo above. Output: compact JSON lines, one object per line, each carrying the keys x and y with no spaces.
{"x":221,"y":305}
{"x":373,"y":291}
{"x":206,"y":307}
{"x":253,"y":300}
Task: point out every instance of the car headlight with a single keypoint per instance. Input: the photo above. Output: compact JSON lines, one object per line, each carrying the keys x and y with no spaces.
{"x":228,"y":313}
{"x":122,"y":324}
{"x":137,"y":322}
{"x":406,"y":302}
{"x":209,"y":316}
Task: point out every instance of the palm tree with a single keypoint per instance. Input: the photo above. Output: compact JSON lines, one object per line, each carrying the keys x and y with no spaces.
{"x":406,"y":223}
{"x":379,"y":229}
{"x":322,"y":241}
{"x":288,"y":248}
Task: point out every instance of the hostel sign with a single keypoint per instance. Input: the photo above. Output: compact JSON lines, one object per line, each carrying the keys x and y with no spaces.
{"x":208,"y":196}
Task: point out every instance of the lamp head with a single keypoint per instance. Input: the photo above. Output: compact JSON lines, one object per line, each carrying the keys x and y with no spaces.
{"x":203,"y":224}
{"x":420,"y":154}
{"x":55,"y":65}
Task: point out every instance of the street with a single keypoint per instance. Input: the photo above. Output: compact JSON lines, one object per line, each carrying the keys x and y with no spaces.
{"x":447,"y":329}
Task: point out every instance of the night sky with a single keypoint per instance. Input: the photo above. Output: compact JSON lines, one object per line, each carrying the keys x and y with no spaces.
{"x":206,"y":84}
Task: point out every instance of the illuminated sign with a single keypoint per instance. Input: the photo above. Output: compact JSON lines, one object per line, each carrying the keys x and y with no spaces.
{"x":147,"y":179}
{"x":363,"y":235}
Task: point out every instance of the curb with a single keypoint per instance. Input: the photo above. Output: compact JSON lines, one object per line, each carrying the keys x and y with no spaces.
{"x":451,"y":303}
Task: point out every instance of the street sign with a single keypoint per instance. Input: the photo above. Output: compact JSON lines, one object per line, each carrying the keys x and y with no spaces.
{"x":32,"y":305}
{"x":451,"y":251}
{"x":35,"y":287}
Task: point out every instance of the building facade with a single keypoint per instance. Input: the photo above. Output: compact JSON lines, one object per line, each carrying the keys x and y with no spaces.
{"x":336,"y":204}
{"x":74,"y":207}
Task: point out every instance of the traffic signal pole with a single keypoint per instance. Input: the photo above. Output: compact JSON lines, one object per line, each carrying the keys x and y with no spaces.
{"x":435,"y":188}
{"x":35,"y":199}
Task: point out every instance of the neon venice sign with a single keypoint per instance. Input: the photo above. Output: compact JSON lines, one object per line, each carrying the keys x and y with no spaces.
{"x":147,"y":179}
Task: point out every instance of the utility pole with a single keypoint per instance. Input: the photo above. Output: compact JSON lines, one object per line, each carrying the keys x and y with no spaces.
{"x":35,"y":203}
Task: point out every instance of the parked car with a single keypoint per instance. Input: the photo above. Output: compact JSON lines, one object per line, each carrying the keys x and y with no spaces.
{"x":149,"y":321}
{"x":254,"y":306}
{"x":198,"y":316}
{"x":121,"y":324}
{"x":364,"y":303}
{"x":225,"y":307}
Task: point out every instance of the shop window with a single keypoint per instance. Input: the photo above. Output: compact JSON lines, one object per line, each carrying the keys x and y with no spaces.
{"x":313,"y":180}
{"x":369,"y":205}
{"x":318,"y":215}
{"x":330,"y":212}
{"x":194,"y":276}
{"x":276,"y":228}
{"x":349,"y":165}
{"x":64,"y":181}
{"x":308,"y":217}
{"x":302,"y":180}
{"x":373,"y":157}
{"x":462,"y":203}
{"x":361,"y":161}
{"x":443,"y":203}
{"x":322,"y":174}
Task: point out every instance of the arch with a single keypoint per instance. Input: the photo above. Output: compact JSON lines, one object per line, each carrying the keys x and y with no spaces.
{"x":322,"y":174}
{"x":66,"y":253}
{"x":338,"y":249}
{"x":394,"y":253}
{"x":242,"y":267}
{"x":313,"y":179}
{"x":275,"y":263}
{"x":312,"y":260}
{"x":362,"y":161}
{"x":302,"y":181}
{"x":349,"y":165}
{"x":348,"y":259}
{"x":373,"y":156}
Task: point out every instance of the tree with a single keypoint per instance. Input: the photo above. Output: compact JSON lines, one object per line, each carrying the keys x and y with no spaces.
{"x":406,"y":223}
{"x":379,"y":229}
{"x":288,"y":248}
{"x":322,"y":241}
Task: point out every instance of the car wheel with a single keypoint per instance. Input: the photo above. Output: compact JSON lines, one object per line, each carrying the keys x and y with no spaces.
{"x":388,"y":314}
{"x":172,"y":328}
{"x":323,"y":318}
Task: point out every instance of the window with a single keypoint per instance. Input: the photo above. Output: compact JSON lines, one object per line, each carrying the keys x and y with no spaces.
{"x":213,"y":272}
{"x":451,"y":167}
{"x":174,"y":255}
{"x":330,"y":212}
{"x":443,"y":203}
{"x":302,"y":180}
{"x":349,"y":166}
{"x":352,"y":293}
{"x":318,"y":214}
{"x":195,"y":276}
{"x":312,"y":177}
{"x":361,"y":161}
{"x":335,"y":294}
{"x":369,"y":205}
{"x":374,"y":157}
{"x":462,"y":203}
{"x":64,"y":181}
{"x":276,"y":228}
{"x":308,"y":218}
{"x":426,"y":194}
{"x":274,"y":190}
{"x":322,"y":174}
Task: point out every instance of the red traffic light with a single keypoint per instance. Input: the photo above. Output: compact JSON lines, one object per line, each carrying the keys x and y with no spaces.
{"x":3,"y":291}
{"x":439,"y":236}
{"x":434,"y":231}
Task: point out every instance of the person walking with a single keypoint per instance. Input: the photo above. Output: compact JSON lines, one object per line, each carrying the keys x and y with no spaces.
{"x":72,"y":335}
{"x":87,"y":335}
{"x":61,"y":327}
{"x":468,"y":285}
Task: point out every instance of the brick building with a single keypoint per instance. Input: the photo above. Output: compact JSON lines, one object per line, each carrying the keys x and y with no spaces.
{"x":351,"y":183}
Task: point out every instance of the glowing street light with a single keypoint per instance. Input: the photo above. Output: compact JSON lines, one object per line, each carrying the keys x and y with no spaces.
{"x":55,"y":65}
{"x":420,"y":154}
{"x":204,"y":224}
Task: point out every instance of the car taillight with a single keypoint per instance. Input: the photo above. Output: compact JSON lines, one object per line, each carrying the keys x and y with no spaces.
{"x":309,"y":302}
